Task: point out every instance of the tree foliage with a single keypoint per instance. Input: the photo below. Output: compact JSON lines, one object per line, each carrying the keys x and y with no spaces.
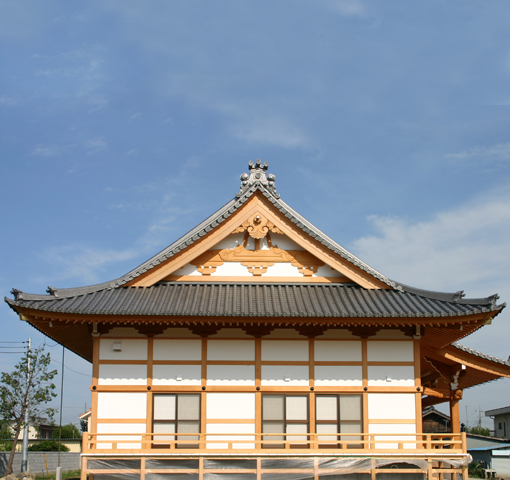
{"x":68,"y":431}
{"x":47,"y":446}
{"x":5,"y":438}
{"x":479,"y":430}
{"x":27,"y":388}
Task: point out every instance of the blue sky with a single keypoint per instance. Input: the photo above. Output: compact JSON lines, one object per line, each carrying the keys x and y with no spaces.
{"x":123,"y":124}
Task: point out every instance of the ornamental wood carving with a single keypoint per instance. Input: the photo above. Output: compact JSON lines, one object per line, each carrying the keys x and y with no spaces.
{"x":258,"y":227}
{"x":257,"y":261}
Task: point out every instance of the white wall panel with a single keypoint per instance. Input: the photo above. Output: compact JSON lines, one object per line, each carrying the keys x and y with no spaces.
{"x":177,"y":349}
{"x":346,"y":375}
{"x":121,"y":405}
{"x":231,"y":269}
{"x":132,"y":349}
{"x":393,"y":429}
{"x":231,"y":375}
{"x":169,"y":374}
{"x":390,"y":376}
{"x":231,"y":406}
{"x":388,"y":351}
{"x":337,"y":351}
{"x":395,"y":406}
{"x":282,"y":270}
{"x":281,"y":350}
{"x":285,"y":243}
{"x":298,"y":375}
{"x":231,"y":350}
{"x":122,"y":375}
{"x":232,"y":428}
{"x":120,"y":428}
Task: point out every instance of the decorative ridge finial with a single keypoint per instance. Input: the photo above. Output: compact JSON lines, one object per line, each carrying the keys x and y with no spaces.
{"x":257,"y":176}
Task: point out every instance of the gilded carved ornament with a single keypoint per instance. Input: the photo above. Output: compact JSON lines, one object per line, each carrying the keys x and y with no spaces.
{"x":257,"y":261}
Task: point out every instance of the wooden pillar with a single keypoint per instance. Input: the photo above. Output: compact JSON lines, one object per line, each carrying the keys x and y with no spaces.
{"x":454,"y":415}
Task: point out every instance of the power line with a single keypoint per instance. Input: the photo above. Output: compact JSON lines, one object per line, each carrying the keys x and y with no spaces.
{"x":14,"y":342}
{"x":79,"y":373}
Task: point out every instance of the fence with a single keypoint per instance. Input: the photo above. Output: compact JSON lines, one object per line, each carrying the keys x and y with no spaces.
{"x":37,"y":463}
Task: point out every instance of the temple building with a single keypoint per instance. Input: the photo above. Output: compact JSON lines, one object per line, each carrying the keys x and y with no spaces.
{"x":255,"y":347}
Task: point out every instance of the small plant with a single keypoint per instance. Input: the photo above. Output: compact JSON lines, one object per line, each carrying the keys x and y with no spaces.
{"x":476,"y":470}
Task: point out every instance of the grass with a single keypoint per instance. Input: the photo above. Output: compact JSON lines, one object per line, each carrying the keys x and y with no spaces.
{"x":70,"y":475}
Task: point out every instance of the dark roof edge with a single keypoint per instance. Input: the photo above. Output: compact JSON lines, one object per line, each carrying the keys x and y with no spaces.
{"x":476,"y":353}
{"x":457,"y":297}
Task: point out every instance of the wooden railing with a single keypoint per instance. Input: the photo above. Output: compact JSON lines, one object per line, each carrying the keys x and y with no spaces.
{"x":273,"y":442}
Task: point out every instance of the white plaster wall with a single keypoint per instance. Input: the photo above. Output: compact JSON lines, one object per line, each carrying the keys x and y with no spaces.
{"x":177,"y":349}
{"x":231,"y":375}
{"x":232,"y":428}
{"x":284,"y":242}
{"x":282,"y":270}
{"x":331,"y":351}
{"x":122,"y":375}
{"x":285,"y":350}
{"x":394,"y":429}
{"x":345,"y":375}
{"x":231,"y":269}
{"x":231,"y":350}
{"x":168,"y":374}
{"x":388,"y":351}
{"x":117,"y":405}
{"x":326,"y":271}
{"x":187,"y":269}
{"x":229,"y":242}
{"x":299,"y":375}
{"x":394,"y":406}
{"x":390,"y":376}
{"x":132,"y":349}
{"x":120,"y":428}
{"x":227,"y":406}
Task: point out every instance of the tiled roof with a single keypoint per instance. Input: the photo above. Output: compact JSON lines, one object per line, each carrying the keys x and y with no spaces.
{"x":480,"y":354}
{"x":255,"y":300}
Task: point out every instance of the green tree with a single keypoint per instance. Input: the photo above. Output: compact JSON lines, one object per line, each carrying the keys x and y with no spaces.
{"x":68,"y":431}
{"x":26,"y":389}
{"x":479,"y":430}
{"x":5,"y":438}
{"x":47,"y":446}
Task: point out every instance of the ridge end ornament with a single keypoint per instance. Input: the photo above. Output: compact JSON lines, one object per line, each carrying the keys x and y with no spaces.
{"x":257,"y":177}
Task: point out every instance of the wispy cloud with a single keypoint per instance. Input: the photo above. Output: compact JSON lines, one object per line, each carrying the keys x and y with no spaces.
{"x":7,"y":101}
{"x":500,"y":151}
{"x":95,"y":145}
{"x":348,"y":8}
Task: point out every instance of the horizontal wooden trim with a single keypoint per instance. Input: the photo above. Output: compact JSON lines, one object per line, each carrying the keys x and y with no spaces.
{"x":122,"y":362}
{"x":253,"y":279}
{"x":121,"y":420}
{"x":177,"y":362}
{"x":230,"y":420}
{"x":390,"y":364}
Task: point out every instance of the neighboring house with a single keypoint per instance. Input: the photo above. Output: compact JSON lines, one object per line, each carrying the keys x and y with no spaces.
{"x":256,"y":343}
{"x":496,"y":457}
{"x":475,"y":441}
{"x":85,"y":417}
{"x":39,"y":428}
{"x":435,"y":421}
{"x":501,"y":417}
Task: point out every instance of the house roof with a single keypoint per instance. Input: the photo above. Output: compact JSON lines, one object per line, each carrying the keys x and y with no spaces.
{"x":256,"y":300}
{"x":498,"y":446}
{"x":498,"y":411}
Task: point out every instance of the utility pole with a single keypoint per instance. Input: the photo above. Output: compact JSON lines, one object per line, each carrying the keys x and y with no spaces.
{"x":479,"y":415}
{"x":466,"y":417}
{"x":24,"y":454}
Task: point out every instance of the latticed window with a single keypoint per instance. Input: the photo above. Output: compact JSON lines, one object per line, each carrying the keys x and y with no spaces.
{"x":176,"y":413}
{"x":337,"y":414}
{"x":285,"y":414}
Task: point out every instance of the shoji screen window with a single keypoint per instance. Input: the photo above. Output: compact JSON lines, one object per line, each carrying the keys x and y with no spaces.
{"x":285,"y":414}
{"x":337,"y":414}
{"x":176,"y":413}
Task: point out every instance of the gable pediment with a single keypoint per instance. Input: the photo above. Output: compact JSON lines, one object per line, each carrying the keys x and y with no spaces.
{"x":257,"y":243}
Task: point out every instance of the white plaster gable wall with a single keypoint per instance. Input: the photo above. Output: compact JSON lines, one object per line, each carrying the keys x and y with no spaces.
{"x":326,"y":271}
{"x":391,"y":406}
{"x":345,"y":375}
{"x":215,"y":441}
{"x":177,"y":375}
{"x":131,"y":349}
{"x":177,"y":349}
{"x":230,"y":375}
{"x":337,"y":351}
{"x":231,"y":350}
{"x":390,"y":376}
{"x":285,"y":375}
{"x":285,"y":350}
{"x":230,"y":406}
{"x":121,"y":439}
{"x":121,"y":405}
{"x":388,"y":351}
{"x":122,"y":374}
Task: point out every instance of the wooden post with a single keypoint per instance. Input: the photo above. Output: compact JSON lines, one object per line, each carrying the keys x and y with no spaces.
{"x":454,"y":415}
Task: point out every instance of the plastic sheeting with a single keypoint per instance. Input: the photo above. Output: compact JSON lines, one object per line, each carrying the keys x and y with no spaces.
{"x":294,"y":468}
